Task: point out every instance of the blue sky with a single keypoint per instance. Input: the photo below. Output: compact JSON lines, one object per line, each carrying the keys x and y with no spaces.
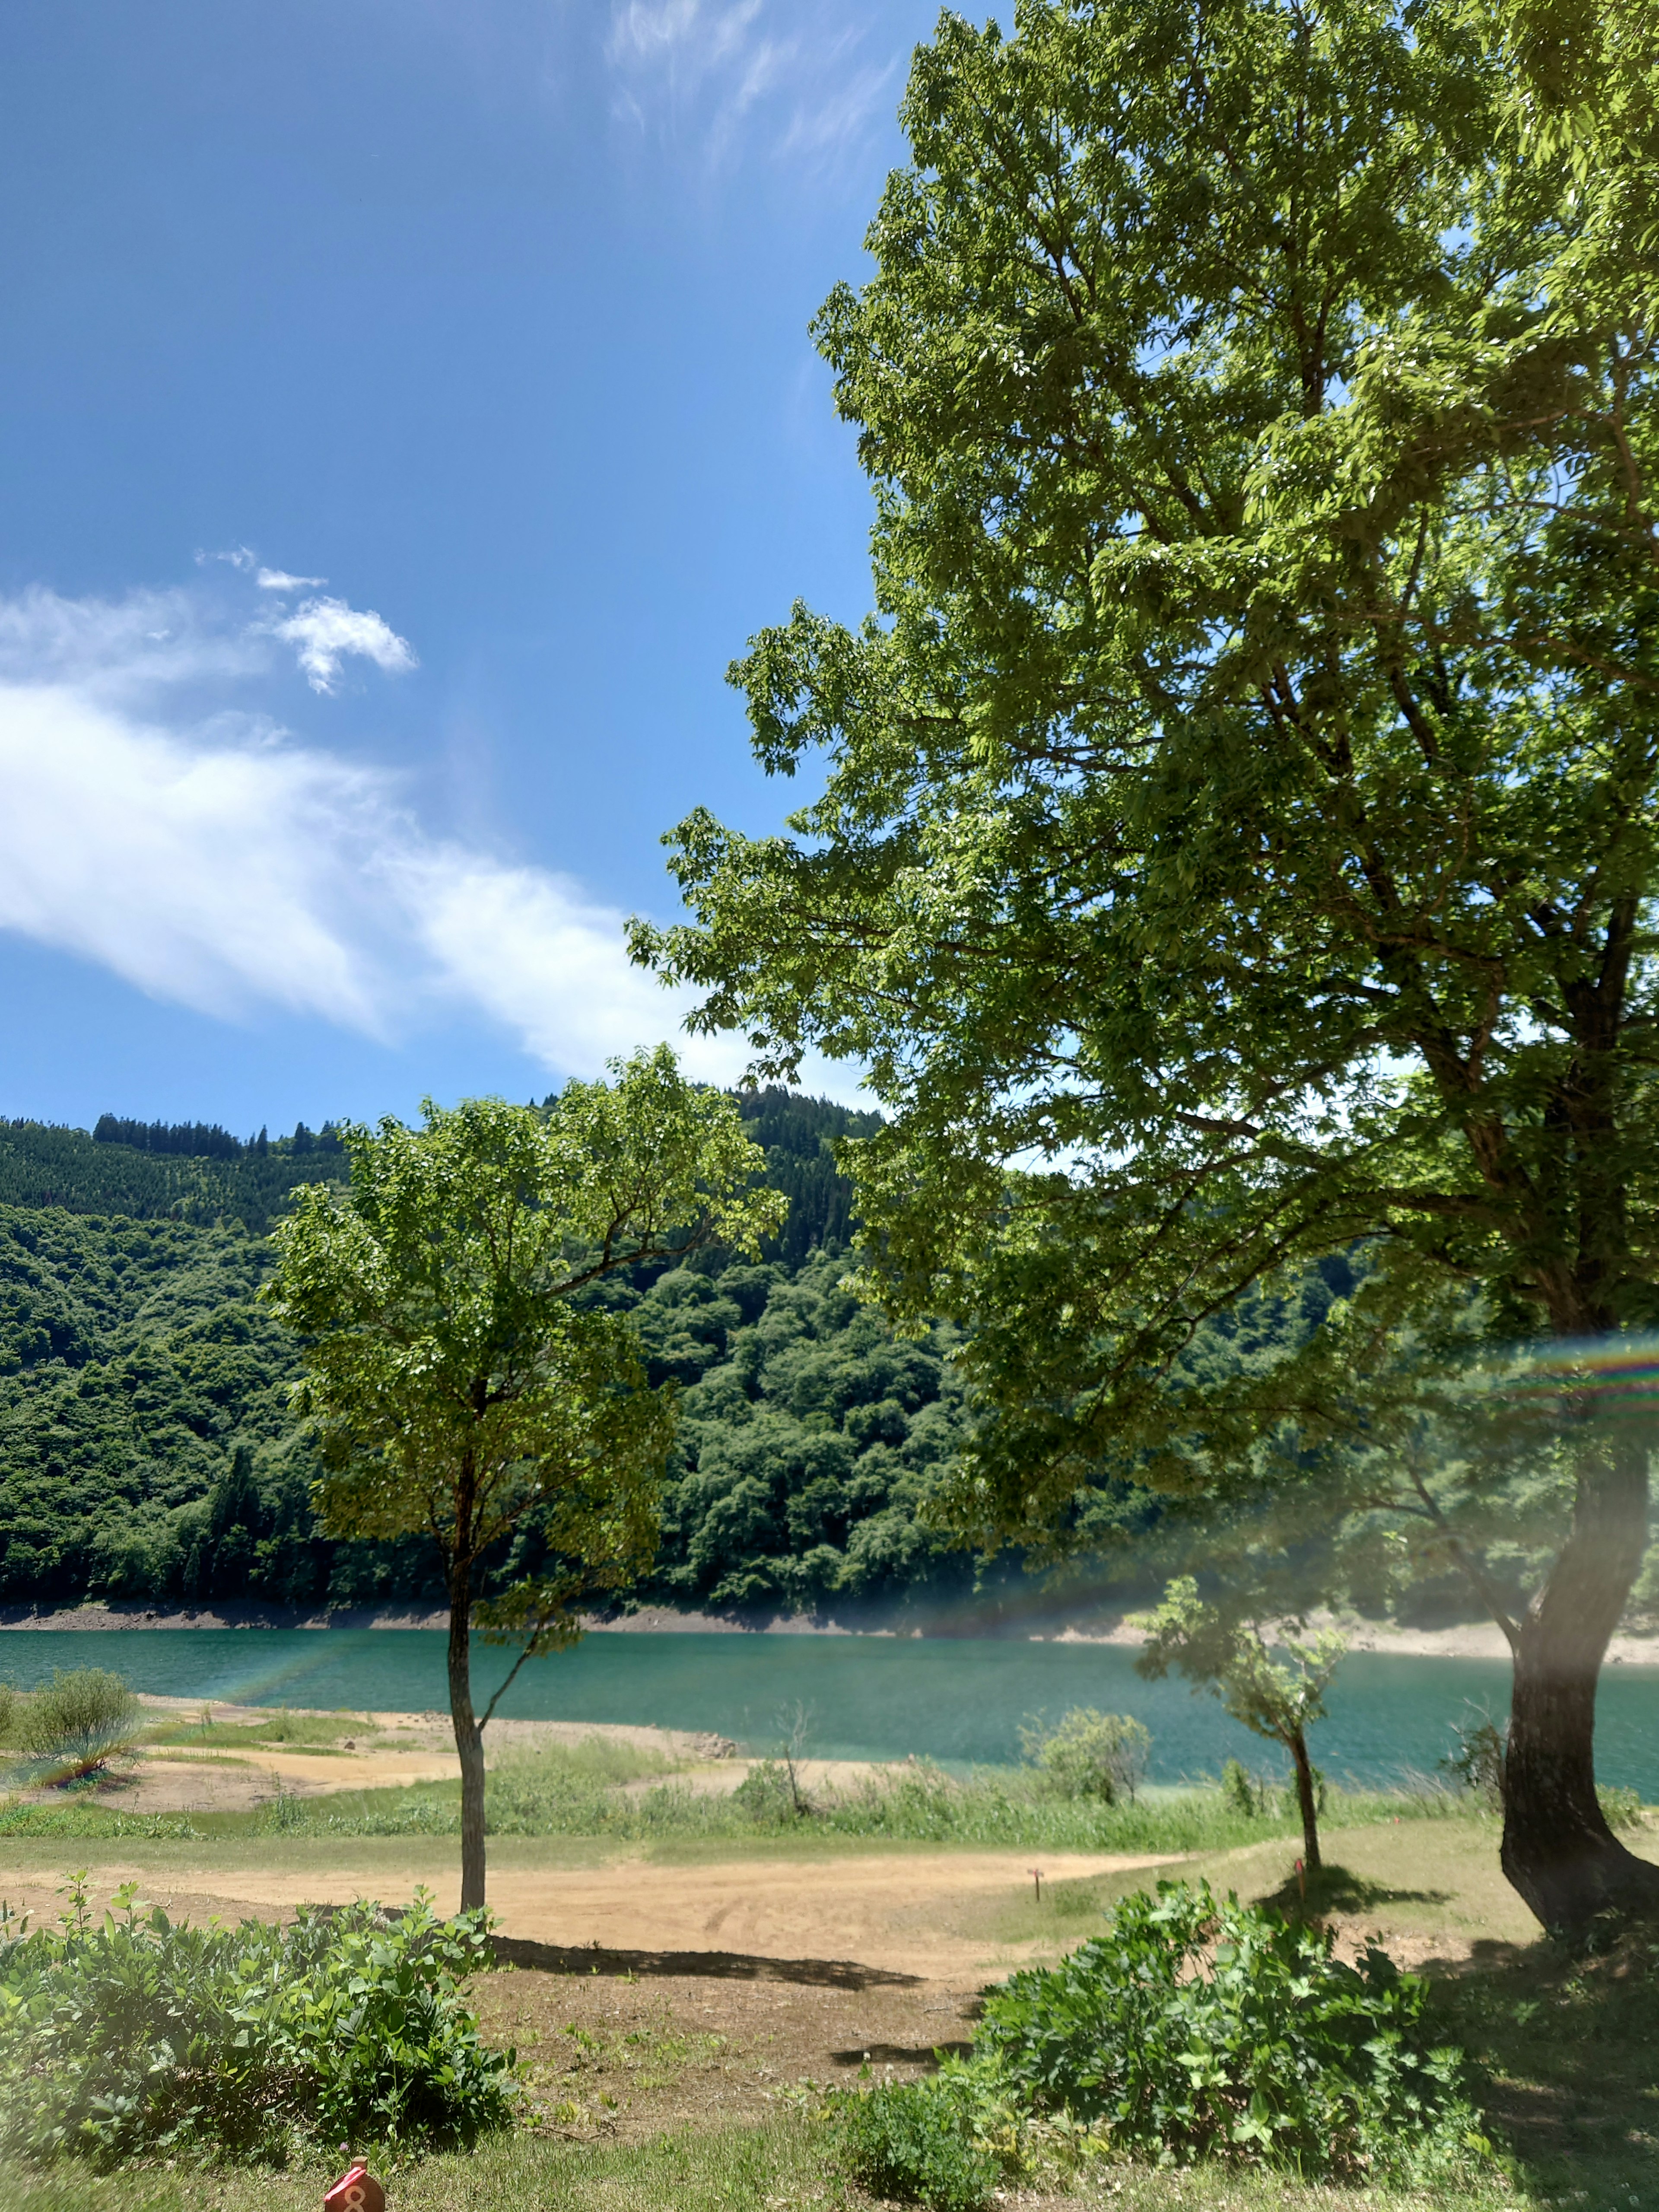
{"x":406,"y":411}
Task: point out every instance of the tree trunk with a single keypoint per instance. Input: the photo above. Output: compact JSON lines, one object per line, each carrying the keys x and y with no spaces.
{"x":1306,"y":1798}
{"x":469,"y":1739}
{"x":1559,"y":1851}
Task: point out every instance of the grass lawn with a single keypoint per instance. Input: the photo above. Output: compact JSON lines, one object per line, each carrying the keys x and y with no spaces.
{"x":776,"y":2168}
{"x":659,"y":2089}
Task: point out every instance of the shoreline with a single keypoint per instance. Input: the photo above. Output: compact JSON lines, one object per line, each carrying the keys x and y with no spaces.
{"x":1463,"y":1640}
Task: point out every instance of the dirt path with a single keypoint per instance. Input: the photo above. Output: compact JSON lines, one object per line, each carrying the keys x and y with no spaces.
{"x":904,"y":1914}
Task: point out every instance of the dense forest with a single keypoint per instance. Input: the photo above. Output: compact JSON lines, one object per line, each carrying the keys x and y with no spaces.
{"x":145,"y":1171}
{"x":146,"y":1449}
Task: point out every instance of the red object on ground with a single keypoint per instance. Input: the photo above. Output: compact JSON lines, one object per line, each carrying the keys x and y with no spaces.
{"x":356,"y":2191}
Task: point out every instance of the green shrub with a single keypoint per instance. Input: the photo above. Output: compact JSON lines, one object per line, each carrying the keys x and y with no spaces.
{"x":79,"y":1720}
{"x":8,"y":1711}
{"x":1196,"y":2028}
{"x":130,"y":2037}
{"x":1241,"y":1792}
{"x":770,"y":1795}
{"x":1620,"y":1808}
{"x":915,"y":2142}
{"x":1475,"y":1761}
{"x":1091,"y":1754}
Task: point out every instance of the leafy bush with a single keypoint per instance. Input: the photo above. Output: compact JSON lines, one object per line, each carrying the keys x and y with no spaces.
{"x":916,"y":2142}
{"x":1475,"y":1761}
{"x":1620,"y":1808}
{"x":1194,"y":2028}
{"x":1091,"y":1754}
{"x":8,"y":1711}
{"x":771,"y":1795}
{"x":1242,"y":1793}
{"x":79,"y":1720}
{"x":132,"y":2036}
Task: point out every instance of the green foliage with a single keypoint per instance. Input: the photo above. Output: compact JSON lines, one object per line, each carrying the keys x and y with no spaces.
{"x":1236,"y":837}
{"x":149,"y":1452}
{"x":798,"y":1137}
{"x":42,"y":1166}
{"x":457,"y":1383}
{"x":1620,"y":1808}
{"x":1193,"y":2030}
{"x":564,"y":1793}
{"x":1091,"y":1754}
{"x":1197,"y":2028}
{"x":770,"y":1795}
{"x":454,"y":1386}
{"x":1151,"y":532}
{"x":1217,"y":1651}
{"x":78,"y":1720}
{"x":133,"y":1360}
{"x":913,"y":2143}
{"x":1475,"y":1761}
{"x":457,"y":1387}
{"x":810,"y":1440}
{"x":1240,"y":1791}
{"x":85,"y":1819}
{"x":132,"y":2036}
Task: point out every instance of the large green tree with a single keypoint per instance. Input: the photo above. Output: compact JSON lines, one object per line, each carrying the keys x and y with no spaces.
{"x":458,"y":1387}
{"x":1237,"y":843}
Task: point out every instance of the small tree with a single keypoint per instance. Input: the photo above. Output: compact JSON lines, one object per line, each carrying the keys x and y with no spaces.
{"x":1091,"y":1754}
{"x":1216,"y":1651}
{"x":456,"y":1382}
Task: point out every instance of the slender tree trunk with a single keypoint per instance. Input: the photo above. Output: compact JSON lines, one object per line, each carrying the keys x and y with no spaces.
{"x":1559,"y":1851}
{"x":469,"y":1737}
{"x":1306,"y":1798}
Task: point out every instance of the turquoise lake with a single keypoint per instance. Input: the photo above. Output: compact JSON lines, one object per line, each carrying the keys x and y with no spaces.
{"x":867,"y":1697}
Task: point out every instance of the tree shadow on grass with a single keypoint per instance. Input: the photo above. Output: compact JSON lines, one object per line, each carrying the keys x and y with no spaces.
{"x":714,"y":1965}
{"x":901,"y":2054}
{"x":1336,"y":1889}
{"x":1566,"y":2059}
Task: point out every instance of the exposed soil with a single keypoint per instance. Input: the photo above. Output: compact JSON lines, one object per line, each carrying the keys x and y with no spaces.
{"x":923,"y":1914}
{"x":622,"y":2053}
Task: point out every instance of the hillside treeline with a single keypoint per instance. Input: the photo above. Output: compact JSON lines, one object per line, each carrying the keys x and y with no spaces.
{"x":146,"y":1450}
{"x":42,"y":1165}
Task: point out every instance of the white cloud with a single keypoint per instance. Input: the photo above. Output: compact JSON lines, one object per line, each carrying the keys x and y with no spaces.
{"x":215,"y":875}
{"x":533,"y":951}
{"x":209,"y":861}
{"x":124,"y":648}
{"x":278,"y":580}
{"x":711,"y":71}
{"x":324,"y":632}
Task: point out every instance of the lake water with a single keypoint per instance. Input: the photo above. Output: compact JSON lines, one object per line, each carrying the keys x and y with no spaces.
{"x":868,"y":1697}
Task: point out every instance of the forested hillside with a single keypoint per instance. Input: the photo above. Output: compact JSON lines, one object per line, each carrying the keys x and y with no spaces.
{"x":43,"y":1165}
{"x":146,"y":1450}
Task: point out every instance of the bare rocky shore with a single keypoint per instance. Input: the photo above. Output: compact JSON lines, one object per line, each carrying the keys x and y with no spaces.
{"x":1476,"y":1639}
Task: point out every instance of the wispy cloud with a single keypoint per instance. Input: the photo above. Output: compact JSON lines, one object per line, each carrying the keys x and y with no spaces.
{"x":278,"y":580}
{"x":802,"y":81}
{"x":325,"y":632}
{"x":151,"y":823}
